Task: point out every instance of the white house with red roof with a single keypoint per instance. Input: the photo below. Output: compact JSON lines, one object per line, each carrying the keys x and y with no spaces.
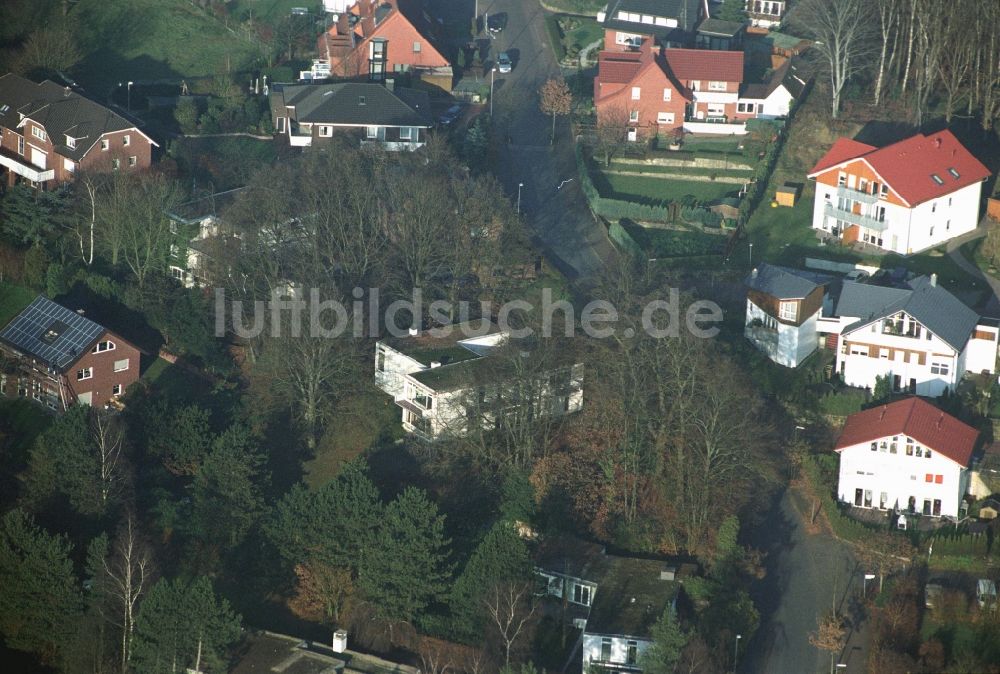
{"x":906,"y":197}
{"x":907,"y":456}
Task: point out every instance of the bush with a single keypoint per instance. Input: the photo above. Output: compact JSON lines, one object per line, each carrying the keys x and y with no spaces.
{"x":702,"y":216}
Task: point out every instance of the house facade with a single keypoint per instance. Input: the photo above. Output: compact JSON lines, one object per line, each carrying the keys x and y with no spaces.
{"x":918,"y":335}
{"x":713,"y":79}
{"x":49,"y":132}
{"x":376,"y":38}
{"x":766,"y":14}
{"x":906,"y":197}
{"x":201,"y":239}
{"x":395,"y":118}
{"x":906,"y":456}
{"x":774,"y":98}
{"x":450,"y":381}
{"x":60,"y":358}
{"x":783,"y":309}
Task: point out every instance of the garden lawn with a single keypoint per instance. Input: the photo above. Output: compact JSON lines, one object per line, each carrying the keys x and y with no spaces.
{"x":152,"y":40}
{"x":659,"y":191}
{"x":581,"y":33}
{"x":588,"y":7}
{"x":13,"y":299}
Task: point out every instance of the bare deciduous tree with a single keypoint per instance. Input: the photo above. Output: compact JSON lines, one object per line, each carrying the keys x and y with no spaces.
{"x":845,"y":39}
{"x":510,"y":607}
{"x":108,"y":438}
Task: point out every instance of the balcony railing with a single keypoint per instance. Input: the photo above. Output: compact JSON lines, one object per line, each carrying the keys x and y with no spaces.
{"x":24,"y":168}
{"x":715,"y":119}
{"x":845,"y":192}
{"x":865,"y":221}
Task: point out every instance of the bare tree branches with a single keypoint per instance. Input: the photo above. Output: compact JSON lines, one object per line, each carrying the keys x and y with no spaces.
{"x":510,"y":607}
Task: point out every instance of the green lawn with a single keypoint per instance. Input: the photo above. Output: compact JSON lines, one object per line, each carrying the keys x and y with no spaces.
{"x":145,"y":40}
{"x":618,"y":165}
{"x":589,"y":7}
{"x":13,"y":299}
{"x":578,"y":32}
{"x":270,"y":11}
{"x":659,"y":191}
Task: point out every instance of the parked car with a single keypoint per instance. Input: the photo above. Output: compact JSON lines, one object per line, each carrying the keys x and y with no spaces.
{"x":450,"y":115}
{"x":497,"y":22}
{"x":986,"y":593}
{"x":504,"y":63}
{"x":859,"y":275}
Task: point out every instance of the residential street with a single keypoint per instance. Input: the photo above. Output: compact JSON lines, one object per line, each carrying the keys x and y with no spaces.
{"x":558,"y":218}
{"x":804,"y":571}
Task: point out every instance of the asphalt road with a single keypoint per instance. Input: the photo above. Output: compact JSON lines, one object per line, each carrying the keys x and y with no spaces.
{"x":806,"y":574}
{"x":558,"y":218}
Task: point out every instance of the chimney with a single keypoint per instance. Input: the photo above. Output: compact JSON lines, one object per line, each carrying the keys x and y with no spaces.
{"x":940,"y":419}
{"x":390,"y":84}
{"x":340,"y":641}
{"x":753,"y":274}
{"x":934,"y":280}
{"x":435,"y":363}
{"x":937,"y":142}
{"x":414,"y":331}
{"x":882,"y":416}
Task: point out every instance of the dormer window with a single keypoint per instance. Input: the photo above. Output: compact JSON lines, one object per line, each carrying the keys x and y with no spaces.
{"x":101,"y":347}
{"x":71,"y":142}
{"x":361,"y":100}
{"x":4,"y":109}
{"x":39,"y":133}
{"x":716,"y":86}
{"x":788,"y":311}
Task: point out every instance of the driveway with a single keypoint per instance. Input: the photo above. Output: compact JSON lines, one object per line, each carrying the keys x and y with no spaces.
{"x":558,"y":218}
{"x":806,"y":573}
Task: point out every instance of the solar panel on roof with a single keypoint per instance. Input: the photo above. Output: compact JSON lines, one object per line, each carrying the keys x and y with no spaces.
{"x":51,"y":333}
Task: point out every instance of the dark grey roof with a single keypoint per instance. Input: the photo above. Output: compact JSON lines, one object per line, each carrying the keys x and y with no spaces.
{"x":720,"y":28}
{"x":71,"y":334}
{"x":354,"y":104}
{"x":685,"y":11}
{"x":60,"y":110}
{"x":784,"y":282}
{"x":630,"y":598}
{"x":931,"y":305}
{"x":197,"y":210}
{"x":787,"y":74}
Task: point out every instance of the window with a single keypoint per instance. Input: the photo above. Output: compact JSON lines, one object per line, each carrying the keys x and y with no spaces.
{"x":362,"y":100}
{"x":631,"y":652}
{"x":406,"y":133}
{"x":884,"y":190}
{"x":101,"y":347}
{"x":85,"y":373}
{"x":71,"y":142}
{"x":716,"y":86}
{"x":841,"y":179}
{"x":121,"y":365}
{"x":695,"y":85}
{"x":131,"y":161}
{"x":716,"y":110}
{"x":954,"y":174}
{"x":928,"y":478}
{"x":69,"y":165}
{"x":874,"y":446}
{"x":937,"y":179}
{"x":281,"y":124}
{"x":934,"y":207}
{"x":105,"y":145}
{"x":633,"y":116}
{"x":939,"y":368}
{"x":665,"y":118}
{"x":919,"y":451}
{"x":606,"y":649}
{"x":927,"y":453}
{"x":116,"y":390}
{"x":416,"y":47}
{"x":939,"y":479}
{"x":667,"y":93}
{"x":126,"y":140}
{"x":581,"y":594}
{"x":20,"y":145}
{"x":116,"y":163}
{"x":788,"y":311}
{"x":372,"y":132}
{"x":636,"y":92}
{"x":325,"y":131}
{"x":39,"y":133}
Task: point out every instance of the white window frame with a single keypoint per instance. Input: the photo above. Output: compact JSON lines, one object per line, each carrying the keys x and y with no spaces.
{"x":71,"y":142}
{"x":105,"y":145}
{"x":664,"y":118}
{"x":39,"y":133}
{"x":788,"y":311}
{"x":101,"y":347}
{"x":126,"y":140}
{"x":69,"y":165}
{"x":85,"y":373}
{"x":405,"y":133}
{"x":586,"y":594}
{"x":636,"y":93}
{"x":325,"y":131}
{"x":20,"y":145}
{"x":667,"y":93}
{"x":716,"y":85}
{"x":416,"y":47}
{"x":123,"y":367}
{"x":372,"y":132}
{"x":132,"y":161}
{"x":716,"y":110}
{"x":633,"y":115}
{"x":116,"y":389}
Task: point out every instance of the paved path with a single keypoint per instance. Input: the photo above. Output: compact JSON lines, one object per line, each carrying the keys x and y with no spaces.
{"x":992,"y":308}
{"x":806,"y":574}
{"x":585,"y":52}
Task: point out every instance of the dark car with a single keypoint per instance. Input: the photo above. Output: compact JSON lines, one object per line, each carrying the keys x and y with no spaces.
{"x":450,"y":115}
{"x":497,"y":22}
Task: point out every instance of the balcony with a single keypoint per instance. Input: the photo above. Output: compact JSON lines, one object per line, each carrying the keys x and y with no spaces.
{"x":865,"y":221}
{"x":22,"y":167}
{"x":845,"y":192}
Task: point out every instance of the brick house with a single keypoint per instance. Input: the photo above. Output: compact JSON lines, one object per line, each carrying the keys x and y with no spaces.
{"x":380,"y":37}
{"x":904,"y":198}
{"x":661,"y":91}
{"x":58,"y":357}
{"x":48,"y":132}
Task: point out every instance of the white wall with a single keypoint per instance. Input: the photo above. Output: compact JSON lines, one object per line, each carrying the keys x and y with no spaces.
{"x":900,"y":476}
{"x":619,"y":649}
{"x":981,"y":354}
{"x":395,"y":366}
{"x":793,"y":344}
{"x":861,"y":370}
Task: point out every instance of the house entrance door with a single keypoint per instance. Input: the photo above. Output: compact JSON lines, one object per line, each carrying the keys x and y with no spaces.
{"x":937,"y":507}
{"x":633,"y":135}
{"x":858,"y":495}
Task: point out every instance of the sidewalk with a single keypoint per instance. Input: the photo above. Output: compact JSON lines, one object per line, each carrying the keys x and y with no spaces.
{"x":992,"y":308}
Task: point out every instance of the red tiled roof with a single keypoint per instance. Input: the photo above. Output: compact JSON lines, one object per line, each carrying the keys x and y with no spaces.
{"x":917,"y":419}
{"x":909,"y":166}
{"x":842,"y":150}
{"x":705,"y":64}
{"x":618,"y":66}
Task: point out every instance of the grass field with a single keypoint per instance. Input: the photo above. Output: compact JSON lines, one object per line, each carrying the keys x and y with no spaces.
{"x":578,"y":32}
{"x":588,"y":7}
{"x":13,"y":298}
{"x":147,"y":40}
{"x":659,"y":191}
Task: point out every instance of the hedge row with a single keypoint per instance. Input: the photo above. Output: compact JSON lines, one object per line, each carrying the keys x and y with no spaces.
{"x":843,"y":526}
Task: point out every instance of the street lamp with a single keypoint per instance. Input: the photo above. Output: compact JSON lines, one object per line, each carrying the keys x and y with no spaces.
{"x":519,"y":186}
{"x":493,"y":74}
{"x":864,"y":584}
{"x":751,"y":255}
{"x":128,"y":97}
{"x":736,"y":650}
